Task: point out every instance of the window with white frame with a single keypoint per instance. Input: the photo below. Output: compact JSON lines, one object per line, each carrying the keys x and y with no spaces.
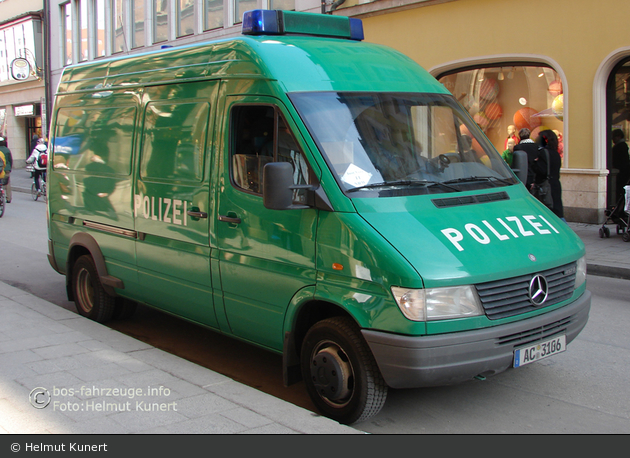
{"x":212,"y":14}
{"x":137,"y":6}
{"x":118,"y":25}
{"x":287,"y":5}
{"x":240,"y":6}
{"x":160,"y":20}
{"x":99,"y":22}
{"x":66,"y":24}
{"x":185,"y":17}
{"x":83,"y":30}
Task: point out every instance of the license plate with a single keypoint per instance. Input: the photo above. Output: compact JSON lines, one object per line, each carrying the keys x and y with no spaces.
{"x":539,"y":350}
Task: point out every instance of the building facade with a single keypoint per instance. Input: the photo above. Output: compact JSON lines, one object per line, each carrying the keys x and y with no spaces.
{"x":540,"y":64}
{"x":556,"y":64}
{"x":22,"y":76}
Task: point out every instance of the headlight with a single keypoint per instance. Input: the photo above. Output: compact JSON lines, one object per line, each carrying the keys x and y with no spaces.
{"x":580,"y":272}
{"x":437,"y":303}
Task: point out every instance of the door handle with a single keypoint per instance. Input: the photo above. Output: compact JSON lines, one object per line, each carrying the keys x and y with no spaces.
{"x":229,"y":219}
{"x":197,"y":214}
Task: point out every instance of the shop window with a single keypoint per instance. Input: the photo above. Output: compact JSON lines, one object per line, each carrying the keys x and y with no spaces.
{"x":503,"y":100}
{"x":618,"y":93}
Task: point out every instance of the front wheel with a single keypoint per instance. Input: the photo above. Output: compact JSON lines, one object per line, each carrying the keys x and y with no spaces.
{"x":89,"y":296}
{"x":340,"y":372}
{"x":34,"y":192}
{"x":2,"y":203}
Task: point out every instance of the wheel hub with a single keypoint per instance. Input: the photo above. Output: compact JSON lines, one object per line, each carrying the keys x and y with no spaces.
{"x":331,"y":373}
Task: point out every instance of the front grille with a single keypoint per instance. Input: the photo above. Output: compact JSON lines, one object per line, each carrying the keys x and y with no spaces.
{"x":536,"y":334}
{"x":510,"y":297}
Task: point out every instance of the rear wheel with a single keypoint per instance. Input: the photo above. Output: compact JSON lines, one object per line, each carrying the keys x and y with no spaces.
{"x":2,"y":203}
{"x":90,"y":298}
{"x":340,"y":373}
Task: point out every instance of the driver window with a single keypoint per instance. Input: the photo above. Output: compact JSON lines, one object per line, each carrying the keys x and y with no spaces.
{"x":261,"y":135}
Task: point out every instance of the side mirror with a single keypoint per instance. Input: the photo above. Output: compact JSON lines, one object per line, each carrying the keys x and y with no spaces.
{"x":277,"y":182}
{"x":519,"y":165}
{"x":278,"y":189}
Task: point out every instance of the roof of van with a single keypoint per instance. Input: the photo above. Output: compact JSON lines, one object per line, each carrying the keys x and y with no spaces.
{"x":298,"y":63}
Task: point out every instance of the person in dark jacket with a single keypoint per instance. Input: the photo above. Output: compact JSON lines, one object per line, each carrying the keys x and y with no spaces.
{"x":548,"y":140}
{"x":536,"y":164}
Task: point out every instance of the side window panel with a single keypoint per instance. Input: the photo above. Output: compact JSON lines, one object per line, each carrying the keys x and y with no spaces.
{"x":261,"y":135}
{"x":173,"y":141}
{"x":85,"y":138}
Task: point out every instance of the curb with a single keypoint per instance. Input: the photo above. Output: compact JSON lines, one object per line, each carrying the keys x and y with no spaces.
{"x":608,"y":271}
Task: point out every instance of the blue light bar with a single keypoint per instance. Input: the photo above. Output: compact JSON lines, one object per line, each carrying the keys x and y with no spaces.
{"x":277,"y":22}
{"x":262,"y":22}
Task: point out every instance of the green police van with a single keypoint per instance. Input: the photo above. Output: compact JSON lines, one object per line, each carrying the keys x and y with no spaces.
{"x":312,"y":194}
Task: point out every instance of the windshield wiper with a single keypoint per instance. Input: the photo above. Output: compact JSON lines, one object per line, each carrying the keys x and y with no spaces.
{"x":484,"y":178}
{"x":426,"y":183}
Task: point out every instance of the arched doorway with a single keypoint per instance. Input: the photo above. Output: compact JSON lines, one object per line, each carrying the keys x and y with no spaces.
{"x":617,"y":118}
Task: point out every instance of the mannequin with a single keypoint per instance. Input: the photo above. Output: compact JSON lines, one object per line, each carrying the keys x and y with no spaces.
{"x":511,"y":133}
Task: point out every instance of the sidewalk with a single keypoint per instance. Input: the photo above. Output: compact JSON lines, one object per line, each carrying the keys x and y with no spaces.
{"x":100,"y":381}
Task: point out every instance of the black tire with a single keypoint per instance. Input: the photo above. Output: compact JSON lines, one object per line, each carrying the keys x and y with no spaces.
{"x":34,"y":193}
{"x":90,"y":298}
{"x":2,"y":204}
{"x":626,"y":237}
{"x":340,"y":372}
{"x":124,"y":308}
{"x":607,"y":232}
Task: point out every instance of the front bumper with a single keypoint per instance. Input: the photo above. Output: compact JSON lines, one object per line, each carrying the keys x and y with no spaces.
{"x":413,"y":362}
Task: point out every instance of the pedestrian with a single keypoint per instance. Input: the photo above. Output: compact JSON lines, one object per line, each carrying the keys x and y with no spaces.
{"x":34,"y":141}
{"x":548,"y":140}
{"x":620,"y":161}
{"x":536,"y":164}
{"x":8,"y":166}
{"x":39,"y":159}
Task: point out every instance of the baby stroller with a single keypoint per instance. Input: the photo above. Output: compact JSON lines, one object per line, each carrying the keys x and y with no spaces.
{"x":619,"y":215}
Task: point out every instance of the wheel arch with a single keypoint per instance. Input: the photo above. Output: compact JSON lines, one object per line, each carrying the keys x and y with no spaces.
{"x":304,"y":311}
{"x":81,"y":244}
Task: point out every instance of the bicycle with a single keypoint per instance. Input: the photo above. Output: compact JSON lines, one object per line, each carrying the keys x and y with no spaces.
{"x":42,"y":189}
{"x":3,"y":199}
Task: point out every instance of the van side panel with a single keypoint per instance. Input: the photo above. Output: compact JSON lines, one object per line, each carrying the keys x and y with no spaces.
{"x":90,"y":175}
{"x":172,"y":208}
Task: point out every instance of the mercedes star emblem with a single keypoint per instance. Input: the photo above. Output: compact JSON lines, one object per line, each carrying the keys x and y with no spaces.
{"x":538,"y":290}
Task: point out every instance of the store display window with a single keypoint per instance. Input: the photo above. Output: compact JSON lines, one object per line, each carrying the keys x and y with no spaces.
{"x":503,"y":100}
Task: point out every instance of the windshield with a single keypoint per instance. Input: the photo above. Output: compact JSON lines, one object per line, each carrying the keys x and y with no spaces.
{"x":390,"y":144}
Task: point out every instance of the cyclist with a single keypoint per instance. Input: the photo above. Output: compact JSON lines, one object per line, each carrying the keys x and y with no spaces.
{"x":39,"y":168}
